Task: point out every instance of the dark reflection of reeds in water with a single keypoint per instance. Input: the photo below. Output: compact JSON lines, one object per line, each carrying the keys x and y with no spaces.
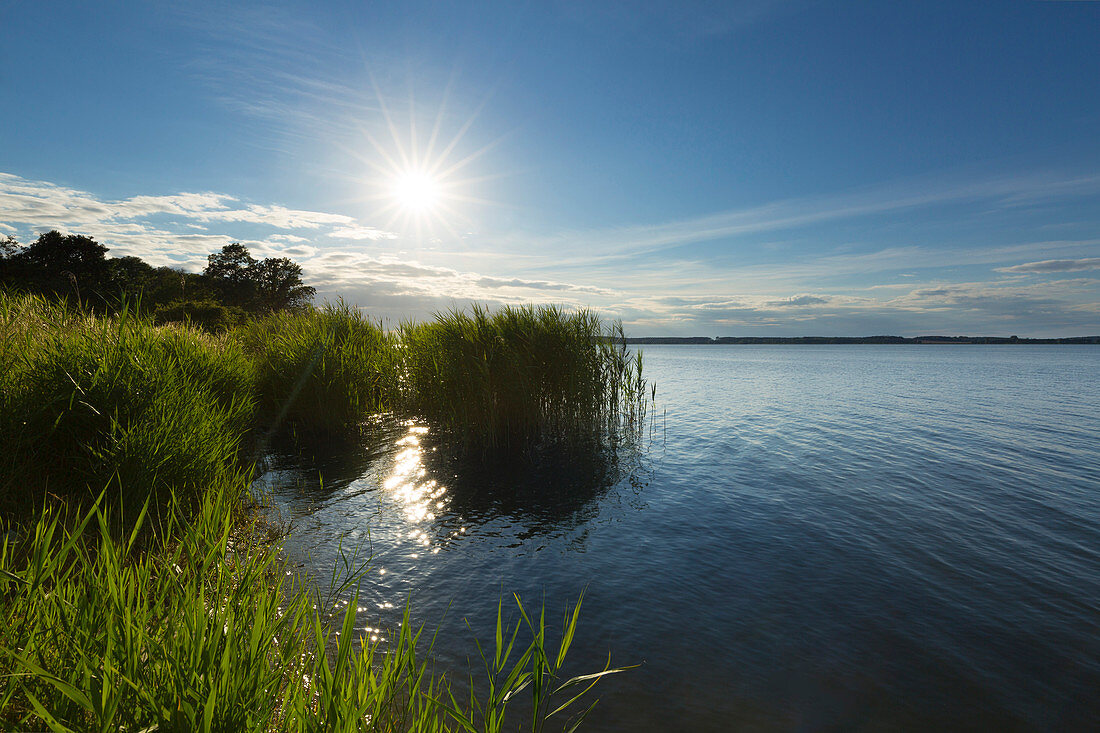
{"x":442,"y":487}
{"x":316,"y":468}
{"x":548,"y":488}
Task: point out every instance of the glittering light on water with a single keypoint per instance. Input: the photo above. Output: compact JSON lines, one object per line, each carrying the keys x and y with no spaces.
{"x":421,"y":499}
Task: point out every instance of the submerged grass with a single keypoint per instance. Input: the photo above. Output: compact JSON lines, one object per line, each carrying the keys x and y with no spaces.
{"x":135,"y":593}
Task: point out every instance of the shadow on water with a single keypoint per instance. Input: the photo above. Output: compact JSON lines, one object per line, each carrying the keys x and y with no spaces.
{"x":547,"y":490}
{"x":553,"y":488}
{"x":315,"y":470}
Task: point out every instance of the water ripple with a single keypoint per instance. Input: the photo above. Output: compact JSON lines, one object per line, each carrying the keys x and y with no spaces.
{"x":852,"y":537}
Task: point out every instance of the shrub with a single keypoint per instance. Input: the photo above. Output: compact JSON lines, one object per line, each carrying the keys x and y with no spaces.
{"x":208,"y":315}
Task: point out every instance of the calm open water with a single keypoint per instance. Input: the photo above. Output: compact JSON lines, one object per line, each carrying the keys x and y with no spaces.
{"x":812,"y":537}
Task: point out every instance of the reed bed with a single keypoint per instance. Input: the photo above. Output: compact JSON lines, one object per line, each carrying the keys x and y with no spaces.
{"x":519,"y":376}
{"x":320,"y":372}
{"x":135,"y":591}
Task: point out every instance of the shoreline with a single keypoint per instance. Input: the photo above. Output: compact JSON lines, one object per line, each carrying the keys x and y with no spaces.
{"x":860,"y":340}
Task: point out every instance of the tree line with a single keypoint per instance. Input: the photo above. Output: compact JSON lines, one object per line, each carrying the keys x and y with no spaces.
{"x":233,"y":286}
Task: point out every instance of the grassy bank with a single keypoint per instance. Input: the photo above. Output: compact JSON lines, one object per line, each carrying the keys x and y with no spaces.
{"x":136,"y":592}
{"x":209,"y":632}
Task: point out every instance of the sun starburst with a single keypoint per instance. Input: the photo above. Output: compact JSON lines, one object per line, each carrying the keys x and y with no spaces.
{"x":422,"y":186}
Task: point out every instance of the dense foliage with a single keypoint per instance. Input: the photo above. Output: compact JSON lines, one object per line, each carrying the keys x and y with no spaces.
{"x":76,"y":267}
{"x":88,"y":404}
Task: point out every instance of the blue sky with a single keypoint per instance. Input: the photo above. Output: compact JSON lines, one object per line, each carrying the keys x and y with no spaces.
{"x":766,"y":167}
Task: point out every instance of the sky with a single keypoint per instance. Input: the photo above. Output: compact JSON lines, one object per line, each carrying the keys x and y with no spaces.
{"x":742,"y":168}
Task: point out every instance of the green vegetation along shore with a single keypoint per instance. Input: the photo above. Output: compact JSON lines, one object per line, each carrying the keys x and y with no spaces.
{"x":137,"y":590}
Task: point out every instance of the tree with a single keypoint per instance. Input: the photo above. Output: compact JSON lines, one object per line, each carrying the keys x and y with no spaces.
{"x":168,"y":284}
{"x":278,"y":285}
{"x":231,"y":273}
{"x":63,"y":263}
{"x":8,"y":247}
{"x":265,"y":286}
{"x":133,"y":280}
{"x":54,"y":252}
{"x":129,"y":275}
{"x":232,"y":263}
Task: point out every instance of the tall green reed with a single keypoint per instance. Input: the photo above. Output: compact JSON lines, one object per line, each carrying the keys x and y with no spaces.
{"x":319,"y":372}
{"x":518,"y":376}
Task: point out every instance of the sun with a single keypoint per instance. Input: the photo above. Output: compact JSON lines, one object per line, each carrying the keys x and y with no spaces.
{"x":422,"y":185}
{"x":416,"y":192}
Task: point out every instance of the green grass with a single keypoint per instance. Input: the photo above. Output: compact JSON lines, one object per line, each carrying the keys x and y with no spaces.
{"x":209,"y":632}
{"x":135,"y":591}
{"x":87,"y":403}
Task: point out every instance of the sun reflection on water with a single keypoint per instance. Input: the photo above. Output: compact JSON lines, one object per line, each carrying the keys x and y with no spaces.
{"x":421,"y":499}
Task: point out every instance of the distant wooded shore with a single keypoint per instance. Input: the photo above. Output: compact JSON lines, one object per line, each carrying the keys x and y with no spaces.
{"x":949,"y":340}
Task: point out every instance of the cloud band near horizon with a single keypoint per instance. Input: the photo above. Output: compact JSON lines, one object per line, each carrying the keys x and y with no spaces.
{"x":917,"y":288}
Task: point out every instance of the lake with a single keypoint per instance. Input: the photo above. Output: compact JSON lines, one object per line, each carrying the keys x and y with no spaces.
{"x":807,"y":537}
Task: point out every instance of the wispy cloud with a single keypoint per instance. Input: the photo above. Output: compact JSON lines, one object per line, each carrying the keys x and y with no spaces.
{"x":609,"y":244}
{"x":799,"y":300}
{"x":1085,"y":263}
{"x":360,"y":233}
{"x":358,"y":268}
{"x":44,"y":204}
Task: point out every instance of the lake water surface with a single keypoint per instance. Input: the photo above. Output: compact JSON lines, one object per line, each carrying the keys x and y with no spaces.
{"x":811,"y":537}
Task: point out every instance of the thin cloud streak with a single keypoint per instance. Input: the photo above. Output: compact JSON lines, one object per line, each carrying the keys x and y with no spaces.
{"x":603,"y":245}
{"x":1086,"y":263}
